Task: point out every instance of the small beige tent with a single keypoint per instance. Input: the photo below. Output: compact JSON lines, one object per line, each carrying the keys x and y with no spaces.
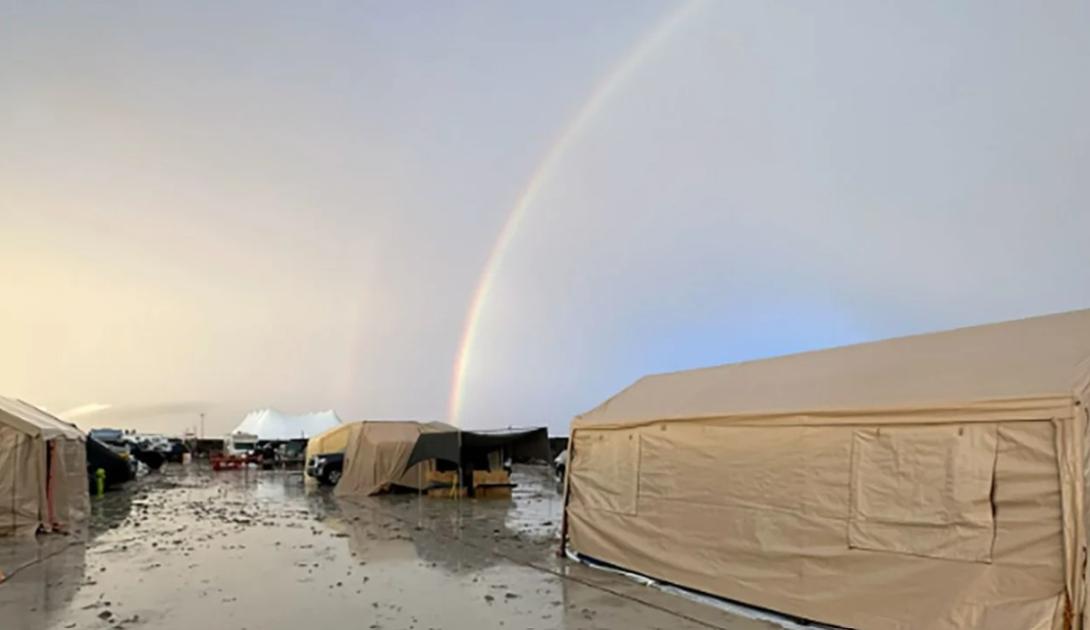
{"x":377,"y":453}
{"x":935,"y":481}
{"x":43,"y":471}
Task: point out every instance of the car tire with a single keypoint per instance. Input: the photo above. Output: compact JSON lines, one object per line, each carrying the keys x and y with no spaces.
{"x":333,"y":477}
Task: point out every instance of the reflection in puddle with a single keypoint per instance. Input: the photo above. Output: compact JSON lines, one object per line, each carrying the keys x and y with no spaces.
{"x":259,"y":549}
{"x":44,"y":576}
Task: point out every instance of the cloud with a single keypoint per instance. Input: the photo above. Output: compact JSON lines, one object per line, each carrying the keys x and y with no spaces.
{"x":84,"y":410}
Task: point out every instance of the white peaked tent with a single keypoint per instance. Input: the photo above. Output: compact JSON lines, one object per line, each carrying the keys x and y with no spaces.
{"x":270,"y":424}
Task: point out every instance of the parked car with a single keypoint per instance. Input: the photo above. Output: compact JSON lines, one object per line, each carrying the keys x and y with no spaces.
{"x":152,"y":458}
{"x":114,"y":439}
{"x":117,"y":464}
{"x":326,"y":468}
{"x":178,"y":448}
{"x":152,"y":442}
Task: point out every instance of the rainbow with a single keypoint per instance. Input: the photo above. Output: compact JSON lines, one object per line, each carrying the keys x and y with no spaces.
{"x":601,"y":94}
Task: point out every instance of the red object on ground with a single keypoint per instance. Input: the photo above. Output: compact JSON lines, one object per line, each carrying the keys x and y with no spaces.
{"x":232,"y":462}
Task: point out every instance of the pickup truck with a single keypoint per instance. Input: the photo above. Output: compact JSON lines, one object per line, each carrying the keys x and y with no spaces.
{"x":326,"y":468}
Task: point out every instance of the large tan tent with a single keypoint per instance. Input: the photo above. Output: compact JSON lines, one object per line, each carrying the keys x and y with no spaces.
{"x":377,"y":453}
{"x":43,"y":471}
{"x":381,"y":455}
{"x":935,"y":481}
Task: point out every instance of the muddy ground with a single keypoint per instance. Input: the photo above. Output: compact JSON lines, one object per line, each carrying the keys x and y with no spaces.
{"x":188,"y":548}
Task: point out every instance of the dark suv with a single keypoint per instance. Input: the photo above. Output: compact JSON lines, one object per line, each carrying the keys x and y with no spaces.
{"x":326,"y":468}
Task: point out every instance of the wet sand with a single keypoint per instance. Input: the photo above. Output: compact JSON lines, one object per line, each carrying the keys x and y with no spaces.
{"x":188,"y":548}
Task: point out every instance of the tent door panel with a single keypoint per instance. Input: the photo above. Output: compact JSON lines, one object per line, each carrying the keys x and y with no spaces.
{"x":924,"y":490}
{"x":9,"y":471}
{"x":21,"y":470}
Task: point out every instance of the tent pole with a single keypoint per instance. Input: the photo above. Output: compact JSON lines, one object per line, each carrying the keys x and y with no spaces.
{"x":15,"y":487}
{"x":50,"y":462}
{"x":562,"y":550}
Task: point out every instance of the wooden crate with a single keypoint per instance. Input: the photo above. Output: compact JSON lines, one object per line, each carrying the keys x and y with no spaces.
{"x":448,"y":478}
{"x":487,"y":484}
{"x":490,"y":477}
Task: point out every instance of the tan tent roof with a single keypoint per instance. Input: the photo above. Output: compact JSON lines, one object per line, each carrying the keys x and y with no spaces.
{"x":1046,"y":356}
{"x":33,"y":421}
{"x":377,"y":453}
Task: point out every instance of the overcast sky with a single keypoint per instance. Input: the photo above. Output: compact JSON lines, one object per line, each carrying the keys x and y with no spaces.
{"x":222,"y":206}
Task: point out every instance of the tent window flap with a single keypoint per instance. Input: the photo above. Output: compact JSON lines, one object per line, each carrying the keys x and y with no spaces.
{"x":612,"y":482}
{"x":924,"y":490}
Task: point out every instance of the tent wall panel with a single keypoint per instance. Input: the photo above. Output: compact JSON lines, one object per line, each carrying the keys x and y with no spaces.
{"x":762,"y":515}
{"x":793,"y":469}
{"x":924,"y":490}
{"x":22,"y":466}
{"x":611,"y":484}
{"x":71,"y":502}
